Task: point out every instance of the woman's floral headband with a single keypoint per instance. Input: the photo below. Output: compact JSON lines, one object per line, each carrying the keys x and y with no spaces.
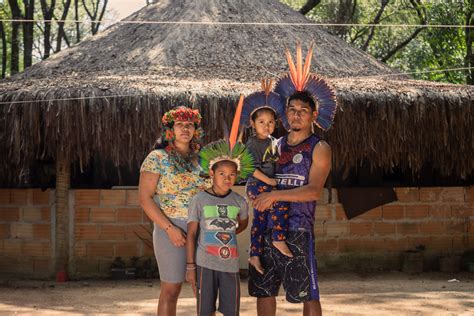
{"x":181,"y":113}
{"x":185,"y":114}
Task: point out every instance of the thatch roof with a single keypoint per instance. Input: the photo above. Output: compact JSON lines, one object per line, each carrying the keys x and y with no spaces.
{"x":151,"y":67}
{"x":235,"y":52}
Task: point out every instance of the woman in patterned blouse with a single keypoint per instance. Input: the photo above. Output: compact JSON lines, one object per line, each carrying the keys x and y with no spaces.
{"x":169,"y":177}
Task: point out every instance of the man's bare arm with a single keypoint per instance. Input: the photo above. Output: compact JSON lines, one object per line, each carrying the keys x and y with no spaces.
{"x":318,"y":174}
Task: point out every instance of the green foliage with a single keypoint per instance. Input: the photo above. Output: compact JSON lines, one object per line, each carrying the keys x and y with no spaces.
{"x":431,"y":49}
{"x":70,"y":29}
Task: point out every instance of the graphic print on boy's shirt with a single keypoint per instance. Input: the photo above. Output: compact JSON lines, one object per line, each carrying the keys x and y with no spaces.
{"x":218,"y":217}
{"x":220,"y":222}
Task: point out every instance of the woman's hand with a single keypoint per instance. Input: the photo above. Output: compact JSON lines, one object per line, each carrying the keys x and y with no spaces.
{"x":176,"y":236}
{"x":191,"y":276}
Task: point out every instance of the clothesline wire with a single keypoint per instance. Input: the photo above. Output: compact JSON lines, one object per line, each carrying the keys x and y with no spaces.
{"x":415,"y":72}
{"x":104,"y":21}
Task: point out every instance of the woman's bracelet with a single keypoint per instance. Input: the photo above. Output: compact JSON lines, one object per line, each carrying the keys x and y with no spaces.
{"x":168,"y":227}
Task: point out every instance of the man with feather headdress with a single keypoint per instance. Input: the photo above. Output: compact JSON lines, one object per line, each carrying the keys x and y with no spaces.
{"x":302,"y":169}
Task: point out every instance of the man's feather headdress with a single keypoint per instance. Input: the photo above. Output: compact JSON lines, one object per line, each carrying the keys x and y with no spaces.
{"x":300,"y":79}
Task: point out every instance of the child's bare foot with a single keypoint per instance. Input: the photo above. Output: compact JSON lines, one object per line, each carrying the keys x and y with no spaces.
{"x":255,"y":262}
{"x":283,"y":248}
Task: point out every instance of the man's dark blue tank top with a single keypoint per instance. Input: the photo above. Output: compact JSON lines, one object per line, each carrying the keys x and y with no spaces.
{"x":292,"y":170}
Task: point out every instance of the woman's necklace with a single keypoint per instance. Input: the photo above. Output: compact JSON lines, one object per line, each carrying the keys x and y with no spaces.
{"x":182,"y":163}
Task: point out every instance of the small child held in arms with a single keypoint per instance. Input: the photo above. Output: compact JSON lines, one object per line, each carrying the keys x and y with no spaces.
{"x":261,"y":110}
{"x":216,"y":216}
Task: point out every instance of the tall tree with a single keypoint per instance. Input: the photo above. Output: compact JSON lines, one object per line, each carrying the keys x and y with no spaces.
{"x":422,"y":20}
{"x":408,"y":48}
{"x":23,"y":42}
{"x":344,"y":13}
{"x":377,"y":18}
{"x":308,"y":6}
{"x":15,"y":41}
{"x":4,"y":50}
{"x":3,"y":35}
{"x":96,"y":14}
{"x":61,"y":33}
{"x":469,"y":38}
{"x":48,"y":12}
{"x":28,"y":32}
{"x":78,"y":24}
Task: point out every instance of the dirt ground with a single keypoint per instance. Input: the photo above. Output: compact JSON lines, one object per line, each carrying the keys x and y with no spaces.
{"x":388,"y":293}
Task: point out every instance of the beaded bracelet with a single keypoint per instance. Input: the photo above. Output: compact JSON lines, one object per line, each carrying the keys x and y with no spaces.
{"x":168,"y":227}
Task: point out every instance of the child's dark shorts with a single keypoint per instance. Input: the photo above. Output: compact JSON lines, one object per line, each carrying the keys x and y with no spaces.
{"x":210,"y":285}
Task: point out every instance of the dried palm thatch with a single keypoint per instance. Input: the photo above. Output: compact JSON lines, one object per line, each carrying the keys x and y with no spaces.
{"x":234,"y":52}
{"x":106,"y":95}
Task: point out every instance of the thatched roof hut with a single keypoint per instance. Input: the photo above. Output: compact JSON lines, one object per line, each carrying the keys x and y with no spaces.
{"x":105,"y":95}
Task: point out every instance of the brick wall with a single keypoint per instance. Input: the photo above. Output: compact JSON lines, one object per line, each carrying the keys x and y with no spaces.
{"x":441,"y":219}
{"x":25,"y":232}
{"x":106,"y":223}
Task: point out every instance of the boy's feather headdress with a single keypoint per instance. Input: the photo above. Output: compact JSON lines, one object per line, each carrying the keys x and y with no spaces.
{"x":229,"y":149}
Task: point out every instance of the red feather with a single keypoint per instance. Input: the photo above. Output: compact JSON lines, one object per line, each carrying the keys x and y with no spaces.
{"x":234,"y":131}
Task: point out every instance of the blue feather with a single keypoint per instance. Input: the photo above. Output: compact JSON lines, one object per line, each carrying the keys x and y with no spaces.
{"x":285,"y":87}
{"x":326,"y":98}
{"x":258,"y":100}
{"x":318,"y":89}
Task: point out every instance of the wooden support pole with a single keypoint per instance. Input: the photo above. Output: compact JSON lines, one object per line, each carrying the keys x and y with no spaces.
{"x":63,"y":180}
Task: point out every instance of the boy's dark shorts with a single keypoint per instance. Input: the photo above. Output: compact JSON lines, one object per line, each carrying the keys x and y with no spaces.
{"x":298,"y":274}
{"x":210,"y":284}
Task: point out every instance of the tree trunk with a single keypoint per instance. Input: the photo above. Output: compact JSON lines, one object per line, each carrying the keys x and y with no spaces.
{"x":101,"y":16}
{"x":422,"y":17}
{"x":308,"y":6}
{"x":344,"y":14}
{"x":4,"y":50}
{"x":61,"y":32}
{"x":15,"y":43}
{"x":469,"y":35}
{"x":47,"y":40}
{"x":28,"y":29}
{"x":78,"y":24}
{"x":376,"y":20}
{"x":47,"y":15}
{"x":95,"y":15}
